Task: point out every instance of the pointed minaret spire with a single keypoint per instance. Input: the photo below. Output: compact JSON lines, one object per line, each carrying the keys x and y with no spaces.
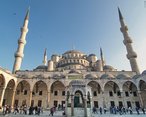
{"x":131,"y":55}
{"x":27,"y":14}
{"x":120,"y":14}
{"x":45,"y":57}
{"x":102,"y":58}
{"x":21,"y":43}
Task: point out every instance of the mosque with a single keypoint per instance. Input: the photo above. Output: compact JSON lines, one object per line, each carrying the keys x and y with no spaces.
{"x":73,"y":80}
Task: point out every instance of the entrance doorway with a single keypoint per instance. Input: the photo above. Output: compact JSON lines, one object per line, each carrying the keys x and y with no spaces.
{"x":39,"y":103}
{"x":78,"y":99}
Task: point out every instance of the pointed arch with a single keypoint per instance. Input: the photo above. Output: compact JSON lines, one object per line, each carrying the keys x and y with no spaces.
{"x":129,"y":86}
{"x":111,"y":85}
{"x":57,"y":93}
{"x":9,"y":92}
{"x":22,"y":93}
{"x":39,"y":91}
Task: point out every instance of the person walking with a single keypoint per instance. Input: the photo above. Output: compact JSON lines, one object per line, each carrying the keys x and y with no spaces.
{"x":137,"y":110}
{"x":143,"y":110}
{"x":51,"y":111}
{"x":104,"y":110}
{"x":100,"y":109}
{"x":130,"y":109}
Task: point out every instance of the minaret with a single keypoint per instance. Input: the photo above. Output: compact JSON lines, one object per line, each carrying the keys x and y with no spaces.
{"x":131,"y":55}
{"x":21,"y":43}
{"x":45,"y":57}
{"x":102,"y":58}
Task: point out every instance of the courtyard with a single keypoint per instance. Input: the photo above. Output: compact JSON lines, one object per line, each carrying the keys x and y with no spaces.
{"x":59,"y":114}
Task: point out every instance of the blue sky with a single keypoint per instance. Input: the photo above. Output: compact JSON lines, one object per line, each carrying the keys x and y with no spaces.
{"x":59,"y":24}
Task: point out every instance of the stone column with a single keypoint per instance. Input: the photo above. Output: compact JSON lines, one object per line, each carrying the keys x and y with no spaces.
{"x":85,"y":106}
{"x":122,"y":96}
{"x":2,"y":96}
{"x":13,"y":98}
{"x":48,"y":98}
{"x":72,"y":105}
{"x":66,"y":104}
{"x":140,"y":98}
{"x":30,"y":98}
{"x":103,"y":97}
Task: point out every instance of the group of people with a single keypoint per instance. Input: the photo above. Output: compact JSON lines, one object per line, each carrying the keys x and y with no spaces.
{"x":22,"y":110}
{"x":53,"y":110}
{"x":115,"y":110}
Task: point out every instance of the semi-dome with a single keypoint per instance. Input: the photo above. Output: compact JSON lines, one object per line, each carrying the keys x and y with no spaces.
{"x":104,"y":76}
{"x":41,"y":67}
{"x":92,"y":55}
{"x":74,"y":71}
{"x":136,"y":76}
{"x":108,"y":67}
{"x":90,"y":76}
{"x":122,"y":76}
{"x":144,"y":72}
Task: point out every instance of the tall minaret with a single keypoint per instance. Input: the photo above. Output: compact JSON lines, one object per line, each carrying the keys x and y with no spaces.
{"x":102,"y":58}
{"x":21,"y":43}
{"x":131,"y":55}
{"x":45,"y":57}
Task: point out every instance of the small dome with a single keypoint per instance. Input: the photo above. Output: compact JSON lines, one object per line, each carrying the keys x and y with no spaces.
{"x":92,"y":55}
{"x":136,"y":76}
{"x":122,"y":76}
{"x":108,"y":67}
{"x":104,"y":76}
{"x":90,"y":76}
{"x":144,"y":72}
{"x":74,"y":71}
{"x":41,"y":67}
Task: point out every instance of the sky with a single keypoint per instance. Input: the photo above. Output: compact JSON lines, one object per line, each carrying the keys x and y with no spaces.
{"x":61,"y":25}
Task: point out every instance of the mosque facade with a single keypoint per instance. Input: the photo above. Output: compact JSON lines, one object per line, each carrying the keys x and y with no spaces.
{"x":73,"y":79}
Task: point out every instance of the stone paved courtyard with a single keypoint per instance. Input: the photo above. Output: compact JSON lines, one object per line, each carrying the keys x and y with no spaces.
{"x":59,"y":114}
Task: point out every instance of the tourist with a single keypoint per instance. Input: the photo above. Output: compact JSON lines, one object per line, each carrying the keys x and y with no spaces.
{"x":137,"y":110}
{"x":124,"y":110}
{"x":100,"y":109}
{"x":51,"y":111}
{"x":31,"y":110}
{"x":38,"y":110}
{"x":21,"y":110}
{"x":94,"y":110}
{"x":4,"y":110}
{"x":25,"y":110}
{"x":143,"y":110}
{"x":59,"y":106}
{"x":105,"y":110}
{"x":130,"y":109}
{"x":111,"y":110}
{"x":41,"y":110}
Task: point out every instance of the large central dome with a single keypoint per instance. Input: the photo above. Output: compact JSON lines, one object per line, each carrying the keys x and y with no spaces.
{"x":73,"y":59}
{"x":73,"y":51}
